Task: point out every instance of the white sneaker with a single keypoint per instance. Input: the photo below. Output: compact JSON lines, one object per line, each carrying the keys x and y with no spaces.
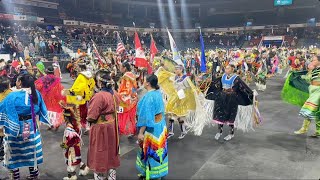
{"x":170,"y":134}
{"x":112,"y":174}
{"x":217,"y":137}
{"x":182,"y":135}
{"x":84,"y":172}
{"x":229,"y":137}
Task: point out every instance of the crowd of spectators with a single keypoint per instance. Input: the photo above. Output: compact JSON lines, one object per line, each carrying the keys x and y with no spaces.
{"x":32,"y":41}
{"x":27,"y":41}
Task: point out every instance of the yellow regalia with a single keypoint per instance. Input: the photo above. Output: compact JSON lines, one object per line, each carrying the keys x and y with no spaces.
{"x":175,"y":105}
{"x":83,"y":87}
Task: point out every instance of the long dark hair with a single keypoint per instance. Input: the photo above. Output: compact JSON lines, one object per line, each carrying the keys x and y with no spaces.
{"x":153,"y":80}
{"x":4,"y":83}
{"x":27,"y":81}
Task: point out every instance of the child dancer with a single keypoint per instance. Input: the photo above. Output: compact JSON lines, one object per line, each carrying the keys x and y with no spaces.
{"x":71,"y":144}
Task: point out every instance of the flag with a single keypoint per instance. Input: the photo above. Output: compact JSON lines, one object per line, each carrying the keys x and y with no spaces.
{"x":153,"y":52}
{"x":153,"y":49}
{"x":203,"y":66}
{"x":174,"y":49}
{"x":96,"y":53}
{"x":120,"y":46}
{"x":141,"y":60}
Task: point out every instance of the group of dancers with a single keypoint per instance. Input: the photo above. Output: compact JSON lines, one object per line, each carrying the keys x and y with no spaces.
{"x":109,"y":101}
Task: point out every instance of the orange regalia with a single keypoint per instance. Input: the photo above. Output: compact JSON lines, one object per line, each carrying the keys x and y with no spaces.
{"x":129,"y":98}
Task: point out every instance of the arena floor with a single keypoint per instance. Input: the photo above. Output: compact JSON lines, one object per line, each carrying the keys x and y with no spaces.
{"x":270,"y":152}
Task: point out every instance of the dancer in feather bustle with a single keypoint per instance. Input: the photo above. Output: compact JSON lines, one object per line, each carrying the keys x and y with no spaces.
{"x":228,"y":92}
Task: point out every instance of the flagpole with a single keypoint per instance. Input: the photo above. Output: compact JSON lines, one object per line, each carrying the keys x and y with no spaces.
{"x":96,"y":49}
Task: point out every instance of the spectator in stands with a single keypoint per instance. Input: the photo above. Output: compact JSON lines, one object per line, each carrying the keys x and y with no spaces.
{"x":36,"y":43}
{"x":26,"y":53}
{"x":20,"y":50}
{"x":84,"y":45}
{"x":32,"y":50}
{"x":42,"y":46}
{"x":1,"y":43}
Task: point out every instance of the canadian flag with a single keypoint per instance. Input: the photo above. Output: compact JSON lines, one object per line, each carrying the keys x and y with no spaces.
{"x":153,"y":52}
{"x":141,"y":60}
{"x":153,"y":49}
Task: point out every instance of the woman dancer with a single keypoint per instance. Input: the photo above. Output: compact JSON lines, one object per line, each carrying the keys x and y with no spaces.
{"x":22,"y":140}
{"x":228,"y":92}
{"x":152,"y":158}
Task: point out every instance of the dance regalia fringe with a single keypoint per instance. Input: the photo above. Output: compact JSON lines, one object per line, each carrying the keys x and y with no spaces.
{"x":242,"y":105}
{"x":295,"y":89}
{"x":194,"y":107}
{"x":50,"y":88}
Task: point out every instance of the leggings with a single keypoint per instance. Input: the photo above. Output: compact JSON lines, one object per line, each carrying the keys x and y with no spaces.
{"x":15,"y":174}
{"x":220,"y":127}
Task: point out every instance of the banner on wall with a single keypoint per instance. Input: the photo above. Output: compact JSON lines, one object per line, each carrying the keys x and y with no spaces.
{"x":6,"y":17}
{"x":39,"y":19}
{"x":32,"y":18}
{"x":19,"y":17}
{"x":84,"y":24}
{"x":272,"y":38}
{"x":71,"y":23}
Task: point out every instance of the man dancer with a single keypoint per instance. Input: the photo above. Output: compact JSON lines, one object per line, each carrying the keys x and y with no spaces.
{"x":81,"y":92}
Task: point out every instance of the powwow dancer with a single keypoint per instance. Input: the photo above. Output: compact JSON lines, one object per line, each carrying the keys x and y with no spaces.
{"x":181,"y":98}
{"x":129,"y":98}
{"x":310,"y":109}
{"x":261,"y":75}
{"x":228,"y":92}
{"x":152,"y":157}
{"x":4,"y":91}
{"x":103,"y":153}
{"x":18,"y":113}
{"x":72,"y":145}
{"x":81,"y":92}
{"x":50,"y":88}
